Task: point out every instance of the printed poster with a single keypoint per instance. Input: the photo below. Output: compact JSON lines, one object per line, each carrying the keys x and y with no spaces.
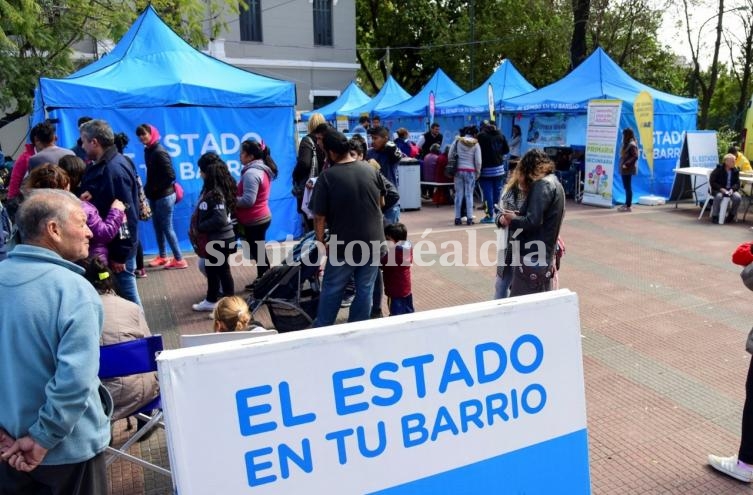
{"x":601,"y":151}
{"x":547,"y":130}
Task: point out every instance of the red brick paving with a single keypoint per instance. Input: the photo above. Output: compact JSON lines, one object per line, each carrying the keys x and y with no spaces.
{"x":663,"y":314}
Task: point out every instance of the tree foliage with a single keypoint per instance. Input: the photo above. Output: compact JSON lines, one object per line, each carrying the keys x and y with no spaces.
{"x":469,"y":38}
{"x":37,"y":37}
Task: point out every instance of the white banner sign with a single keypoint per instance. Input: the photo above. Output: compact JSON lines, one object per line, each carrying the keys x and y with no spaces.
{"x":484,"y":398}
{"x":702,"y":152}
{"x":601,"y":148}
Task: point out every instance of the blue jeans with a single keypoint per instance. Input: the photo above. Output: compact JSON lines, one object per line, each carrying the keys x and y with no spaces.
{"x":333,"y":284}
{"x":491,"y":187}
{"x":502,"y":284}
{"x":162,"y":219}
{"x":127,"y":281}
{"x":464,"y":182}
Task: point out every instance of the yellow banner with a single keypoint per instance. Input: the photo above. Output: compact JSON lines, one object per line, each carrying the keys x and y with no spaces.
{"x":643,"y":109}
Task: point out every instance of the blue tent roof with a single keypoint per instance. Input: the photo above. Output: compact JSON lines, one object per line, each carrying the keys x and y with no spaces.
{"x":391,"y":94}
{"x":507,"y":83}
{"x":351,"y":97}
{"x":153,"y":66}
{"x":596,"y":77}
{"x":444,"y":89}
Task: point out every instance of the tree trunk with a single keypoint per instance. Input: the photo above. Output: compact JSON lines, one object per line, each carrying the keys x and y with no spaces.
{"x":713,"y":71}
{"x":745,"y":78}
{"x":581,"y":9}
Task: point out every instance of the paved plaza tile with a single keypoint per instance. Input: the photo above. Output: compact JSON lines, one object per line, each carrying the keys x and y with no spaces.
{"x":664,"y":318}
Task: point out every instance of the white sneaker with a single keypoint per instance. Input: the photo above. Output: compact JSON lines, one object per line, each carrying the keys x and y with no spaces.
{"x":731,"y":467}
{"x":204,"y":306}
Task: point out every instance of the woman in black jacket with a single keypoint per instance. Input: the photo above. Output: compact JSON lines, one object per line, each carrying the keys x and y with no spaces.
{"x":160,"y":190}
{"x":213,"y":224}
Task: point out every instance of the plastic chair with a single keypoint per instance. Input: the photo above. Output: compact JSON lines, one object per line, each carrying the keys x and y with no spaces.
{"x":722,"y":207}
{"x":217,"y":337}
{"x":132,"y":358}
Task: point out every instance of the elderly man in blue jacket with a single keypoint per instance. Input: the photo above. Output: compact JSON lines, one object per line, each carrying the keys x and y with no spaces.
{"x":53,"y":422}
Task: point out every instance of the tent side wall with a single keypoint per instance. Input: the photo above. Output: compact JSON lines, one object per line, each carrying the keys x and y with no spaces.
{"x":187,"y":133}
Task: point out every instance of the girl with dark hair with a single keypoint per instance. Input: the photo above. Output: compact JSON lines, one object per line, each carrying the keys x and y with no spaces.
{"x":123,"y":321}
{"x":628,"y":159}
{"x":252,"y":210}
{"x":67,"y":176}
{"x":212,"y":228}
{"x":160,"y":190}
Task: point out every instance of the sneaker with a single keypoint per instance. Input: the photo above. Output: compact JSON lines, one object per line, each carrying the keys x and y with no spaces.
{"x":457,"y":221}
{"x":176,"y":265}
{"x":487,"y":220}
{"x":469,"y":221}
{"x":624,"y":208}
{"x":347,"y":301}
{"x":140,"y":273}
{"x":204,"y":306}
{"x":158,"y":261}
{"x":732,"y":467}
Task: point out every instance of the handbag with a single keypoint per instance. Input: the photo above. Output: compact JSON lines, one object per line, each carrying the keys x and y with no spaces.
{"x":178,"y":192}
{"x":145,"y":209}
{"x":452,"y":161}
{"x":198,"y":239}
{"x":299,"y":188}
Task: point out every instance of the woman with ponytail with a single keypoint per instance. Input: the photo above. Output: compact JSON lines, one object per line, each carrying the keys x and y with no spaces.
{"x":252,"y":205}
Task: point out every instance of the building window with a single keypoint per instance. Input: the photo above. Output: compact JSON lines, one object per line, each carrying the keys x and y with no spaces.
{"x":323,"y":22}
{"x":250,"y":21}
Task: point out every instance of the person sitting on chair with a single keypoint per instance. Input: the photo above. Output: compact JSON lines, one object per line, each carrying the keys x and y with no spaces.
{"x":124,"y":321}
{"x":231,"y":314}
{"x":725,"y":182}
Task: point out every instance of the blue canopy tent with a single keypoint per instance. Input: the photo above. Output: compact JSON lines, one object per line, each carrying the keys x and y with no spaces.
{"x":440,"y":84}
{"x":351,"y":97}
{"x":506,"y":83}
{"x":198,"y":103}
{"x":391,"y":94}
{"x":599,"y":77}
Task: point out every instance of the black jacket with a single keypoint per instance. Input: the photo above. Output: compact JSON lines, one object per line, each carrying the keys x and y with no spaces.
{"x":160,"y":175}
{"x":540,"y":218}
{"x":213,"y":217}
{"x":718,"y":179}
{"x":494,"y":147}
{"x":430,"y":139}
{"x":109,"y":178}
{"x":307,"y":149}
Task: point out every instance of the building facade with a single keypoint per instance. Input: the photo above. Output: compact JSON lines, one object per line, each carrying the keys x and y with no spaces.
{"x":309,"y":42}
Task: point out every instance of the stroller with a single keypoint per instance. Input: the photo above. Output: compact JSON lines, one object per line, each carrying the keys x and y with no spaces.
{"x":291,"y":290}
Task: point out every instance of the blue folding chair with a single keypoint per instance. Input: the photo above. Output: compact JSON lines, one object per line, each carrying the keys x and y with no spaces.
{"x":132,"y":358}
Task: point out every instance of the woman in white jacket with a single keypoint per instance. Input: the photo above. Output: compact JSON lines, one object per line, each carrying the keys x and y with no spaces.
{"x":469,"y":168}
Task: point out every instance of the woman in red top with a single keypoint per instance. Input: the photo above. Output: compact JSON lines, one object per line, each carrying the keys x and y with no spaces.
{"x":252,"y":207}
